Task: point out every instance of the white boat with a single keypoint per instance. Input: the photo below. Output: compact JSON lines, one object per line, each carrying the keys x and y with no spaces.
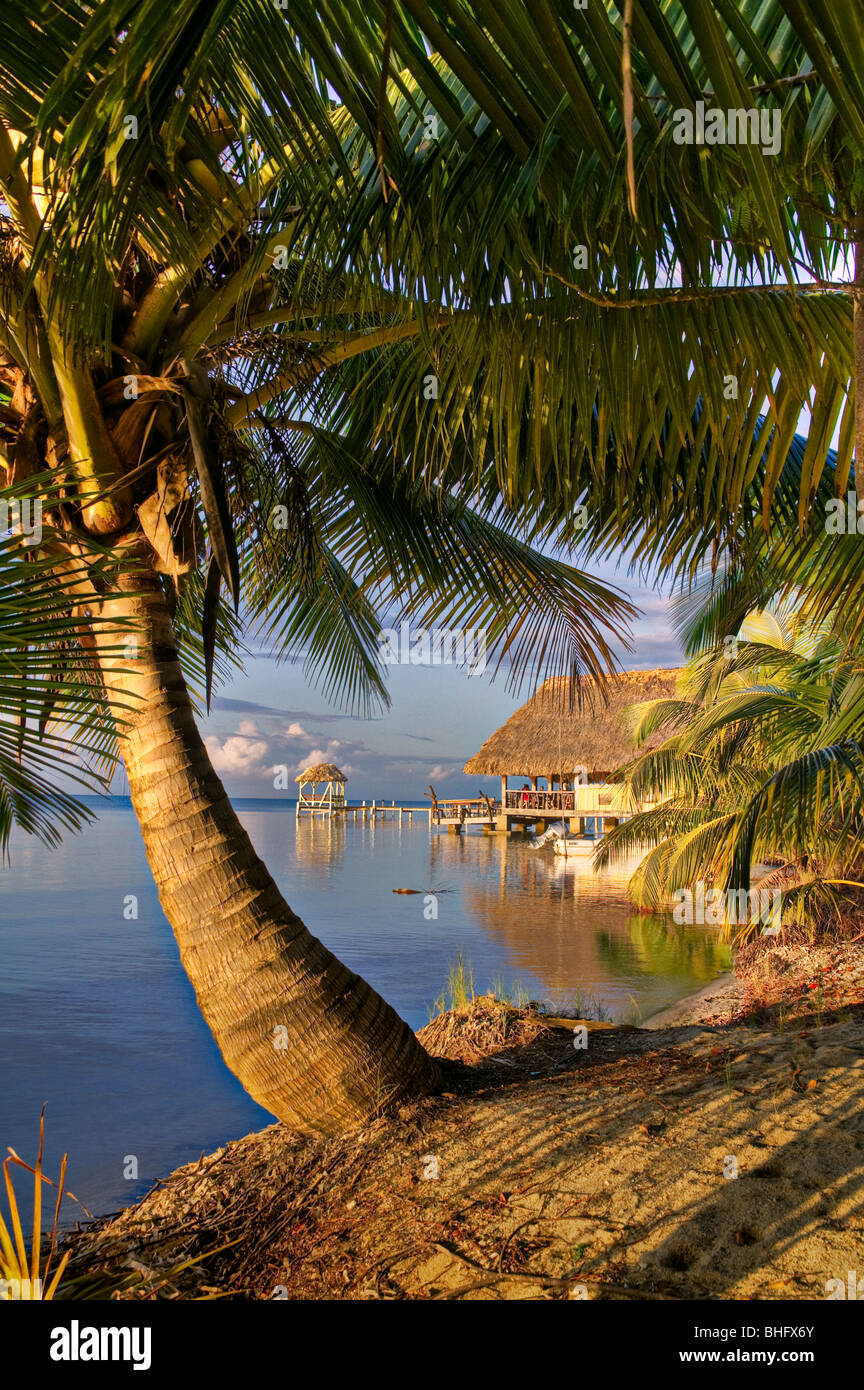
{"x":538,"y":841}
{"x":570,"y":845}
{"x":566,"y":845}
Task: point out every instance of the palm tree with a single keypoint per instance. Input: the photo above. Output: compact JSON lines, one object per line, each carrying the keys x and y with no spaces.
{"x":762,"y":761}
{"x":195,"y":254}
{"x":48,"y":678}
{"x":396,"y":255}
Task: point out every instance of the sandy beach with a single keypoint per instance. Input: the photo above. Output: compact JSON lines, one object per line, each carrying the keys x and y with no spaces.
{"x":690,"y":1160}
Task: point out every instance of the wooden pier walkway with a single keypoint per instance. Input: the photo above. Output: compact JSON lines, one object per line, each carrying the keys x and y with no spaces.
{"x":368,"y":810}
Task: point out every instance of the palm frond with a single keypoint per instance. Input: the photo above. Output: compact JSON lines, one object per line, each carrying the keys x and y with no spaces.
{"x":53,"y":710}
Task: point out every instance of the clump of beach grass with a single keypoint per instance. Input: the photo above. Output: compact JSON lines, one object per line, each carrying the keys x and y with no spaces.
{"x":459,"y":990}
{"x":580,"y":1005}
{"x":483,"y":1026}
{"x":459,"y":993}
{"x":467,"y":1026}
{"x":634,"y":1015}
{"x":515,"y":993}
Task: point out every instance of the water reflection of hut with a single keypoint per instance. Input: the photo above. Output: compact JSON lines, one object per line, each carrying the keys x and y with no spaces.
{"x":320,"y":841}
{"x":321,"y":789}
{"x":574,"y":739}
{"x":564,"y":934}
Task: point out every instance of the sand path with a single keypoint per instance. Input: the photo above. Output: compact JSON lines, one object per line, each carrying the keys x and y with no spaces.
{"x":684,"y":1162}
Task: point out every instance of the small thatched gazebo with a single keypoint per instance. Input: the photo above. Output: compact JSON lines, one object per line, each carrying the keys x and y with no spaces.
{"x":321,"y":788}
{"x":576,"y":745}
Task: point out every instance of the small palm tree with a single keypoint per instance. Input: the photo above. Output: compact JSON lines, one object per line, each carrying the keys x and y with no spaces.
{"x":762,"y":762}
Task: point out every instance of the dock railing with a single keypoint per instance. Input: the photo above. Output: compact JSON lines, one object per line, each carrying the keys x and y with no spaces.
{"x":479,"y":809}
{"x":602,"y":799}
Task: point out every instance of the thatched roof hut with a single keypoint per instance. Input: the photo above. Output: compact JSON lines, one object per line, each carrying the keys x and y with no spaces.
{"x":552,"y":736}
{"x":321,"y":772}
{"x":322,"y":788}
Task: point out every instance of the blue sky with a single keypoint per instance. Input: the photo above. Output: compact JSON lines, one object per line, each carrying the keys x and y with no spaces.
{"x":439,"y":717}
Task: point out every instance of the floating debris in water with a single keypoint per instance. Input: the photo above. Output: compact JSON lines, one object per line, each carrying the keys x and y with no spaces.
{"x":430,"y":892}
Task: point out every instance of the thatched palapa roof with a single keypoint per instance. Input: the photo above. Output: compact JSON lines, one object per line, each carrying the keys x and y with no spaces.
{"x":321,"y":772}
{"x":548,"y":736}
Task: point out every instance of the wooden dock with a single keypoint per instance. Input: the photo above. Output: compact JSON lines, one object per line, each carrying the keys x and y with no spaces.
{"x":529,"y":809}
{"x":521,"y":812}
{"x":461,"y":812}
{"x":369,"y":811}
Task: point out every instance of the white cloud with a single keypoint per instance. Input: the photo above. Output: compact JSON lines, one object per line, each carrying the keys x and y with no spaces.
{"x":442,"y":771}
{"x":238,"y":753}
{"x":324,"y":755}
{"x":246,"y":754}
{"x":315,"y":755}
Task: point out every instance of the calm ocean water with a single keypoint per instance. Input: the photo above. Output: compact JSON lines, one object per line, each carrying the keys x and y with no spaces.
{"x":98,"y":1019}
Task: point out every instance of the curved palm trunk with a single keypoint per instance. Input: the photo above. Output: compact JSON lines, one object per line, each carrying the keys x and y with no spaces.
{"x":310,"y":1040}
